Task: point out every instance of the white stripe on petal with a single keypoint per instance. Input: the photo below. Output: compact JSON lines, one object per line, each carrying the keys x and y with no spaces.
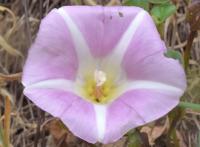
{"x":126,"y":38}
{"x":57,"y":84}
{"x":153,"y":86}
{"x":83,"y":52}
{"x":100,"y":111}
{"x":114,"y":60}
{"x":127,"y":86}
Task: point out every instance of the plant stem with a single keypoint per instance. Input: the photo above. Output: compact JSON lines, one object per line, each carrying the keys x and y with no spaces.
{"x":188,"y":49}
{"x":160,"y":28}
{"x":192,"y":106}
{"x":7,"y":121}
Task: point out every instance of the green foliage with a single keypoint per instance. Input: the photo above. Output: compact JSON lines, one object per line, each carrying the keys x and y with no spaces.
{"x":77,"y":1}
{"x":174,"y":138}
{"x":140,"y":3}
{"x":158,"y":1}
{"x":174,"y":54}
{"x":161,"y":12}
{"x":2,"y":139}
{"x":133,"y":139}
{"x":1,"y":136}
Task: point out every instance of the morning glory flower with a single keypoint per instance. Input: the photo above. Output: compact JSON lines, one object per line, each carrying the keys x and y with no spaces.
{"x":102,"y":71}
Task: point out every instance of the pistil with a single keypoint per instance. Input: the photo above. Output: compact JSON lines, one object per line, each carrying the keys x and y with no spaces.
{"x":98,"y":93}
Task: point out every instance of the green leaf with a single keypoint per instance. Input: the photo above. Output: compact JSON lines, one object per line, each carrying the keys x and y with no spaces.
{"x":77,"y":1}
{"x":158,"y":1}
{"x":174,"y":55}
{"x":133,"y":139}
{"x":174,"y":138}
{"x":139,"y":3}
{"x":161,"y":12}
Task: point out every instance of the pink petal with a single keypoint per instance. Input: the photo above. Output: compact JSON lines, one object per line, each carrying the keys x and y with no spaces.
{"x":135,"y":108}
{"x":120,"y":119}
{"x":146,"y":40}
{"x":53,"y":101}
{"x":52,"y":55}
{"x":102,"y":27}
{"x":81,"y":120}
{"x":144,"y":58}
{"x":77,"y":114}
{"x":156,"y":68}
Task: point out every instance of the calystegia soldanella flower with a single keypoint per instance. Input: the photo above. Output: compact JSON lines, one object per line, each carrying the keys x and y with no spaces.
{"x":102,"y":71}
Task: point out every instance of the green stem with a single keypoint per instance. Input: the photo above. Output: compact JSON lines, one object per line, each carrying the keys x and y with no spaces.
{"x":160,"y":28}
{"x":192,"y":106}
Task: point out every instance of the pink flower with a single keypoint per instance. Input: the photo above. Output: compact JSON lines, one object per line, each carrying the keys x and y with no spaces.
{"x":102,"y":71}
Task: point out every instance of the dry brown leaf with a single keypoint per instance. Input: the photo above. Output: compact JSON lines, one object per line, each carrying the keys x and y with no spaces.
{"x":193,"y":15}
{"x":155,"y":132}
{"x":119,"y":143}
{"x":90,"y":2}
{"x":148,"y":131}
{"x":56,"y":130}
{"x":60,"y":135}
{"x":10,"y":77}
{"x":7,"y":47}
{"x":2,"y":8}
{"x":6,"y":93}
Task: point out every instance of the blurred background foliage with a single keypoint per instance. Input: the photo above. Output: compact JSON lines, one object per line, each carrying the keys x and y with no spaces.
{"x":24,"y":125}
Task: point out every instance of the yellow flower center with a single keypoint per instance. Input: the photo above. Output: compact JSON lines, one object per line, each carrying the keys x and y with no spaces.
{"x":99,"y":87}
